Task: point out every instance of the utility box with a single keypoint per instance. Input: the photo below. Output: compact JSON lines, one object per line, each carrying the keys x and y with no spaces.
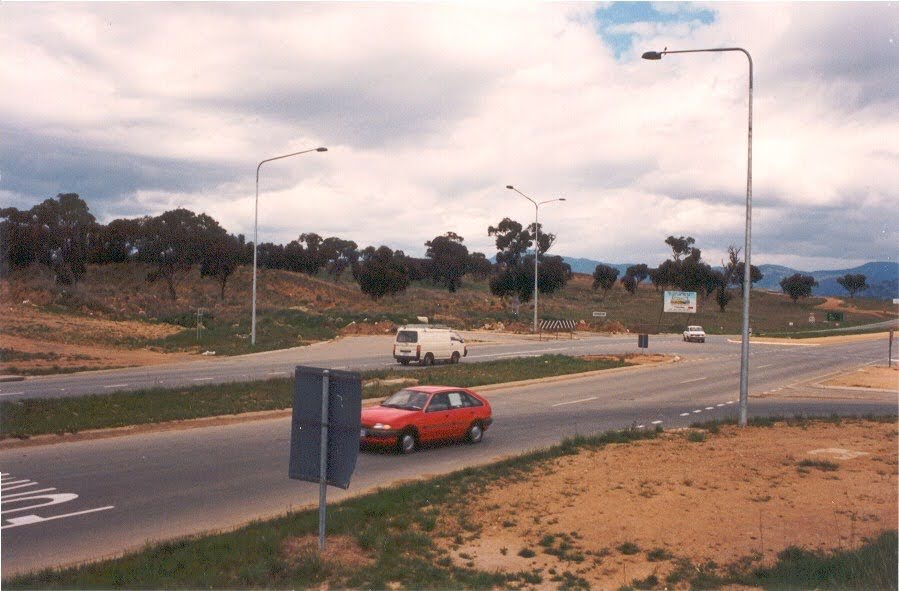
{"x":643,"y":341}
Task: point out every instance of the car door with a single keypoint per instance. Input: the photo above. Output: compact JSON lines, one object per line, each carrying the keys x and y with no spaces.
{"x":436,"y":420}
{"x":462,"y":415}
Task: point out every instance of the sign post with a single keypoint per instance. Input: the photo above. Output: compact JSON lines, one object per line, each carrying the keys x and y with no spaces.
{"x":324,"y":437}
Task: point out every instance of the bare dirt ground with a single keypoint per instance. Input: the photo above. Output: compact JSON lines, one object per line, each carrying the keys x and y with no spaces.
{"x":874,"y":377}
{"x":736,"y":494}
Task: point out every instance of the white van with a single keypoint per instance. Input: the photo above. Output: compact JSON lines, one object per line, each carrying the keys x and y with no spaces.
{"x":426,"y":344}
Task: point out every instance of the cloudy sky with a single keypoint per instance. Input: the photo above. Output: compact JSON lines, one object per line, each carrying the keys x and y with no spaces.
{"x":429,"y":110}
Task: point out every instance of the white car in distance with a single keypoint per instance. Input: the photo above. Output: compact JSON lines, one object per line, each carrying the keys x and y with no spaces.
{"x":694,"y":334}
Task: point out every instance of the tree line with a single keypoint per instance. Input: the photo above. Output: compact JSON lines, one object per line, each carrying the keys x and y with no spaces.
{"x":62,"y":234}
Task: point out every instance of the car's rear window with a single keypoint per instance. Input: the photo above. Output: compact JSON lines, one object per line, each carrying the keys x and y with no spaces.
{"x":406,"y":336}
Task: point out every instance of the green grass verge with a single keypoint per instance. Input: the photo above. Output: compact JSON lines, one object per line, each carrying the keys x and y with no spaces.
{"x":28,"y":418}
{"x":396,"y":527}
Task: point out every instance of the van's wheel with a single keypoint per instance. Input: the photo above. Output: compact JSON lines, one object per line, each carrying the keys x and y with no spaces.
{"x":406,"y":443}
{"x":475,"y":433}
{"x":428,"y":359}
{"x":456,"y":357}
{"x":404,"y":361}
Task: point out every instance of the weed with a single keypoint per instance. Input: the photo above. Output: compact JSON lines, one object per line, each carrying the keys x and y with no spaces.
{"x":658,"y":555}
{"x":696,"y":436}
{"x":526,"y":553}
{"x":628,"y":548}
{"x":650,"y":582}
{"x":823,"y":465}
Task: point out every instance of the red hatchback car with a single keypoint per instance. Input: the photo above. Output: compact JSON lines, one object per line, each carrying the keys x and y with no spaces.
{"x":422,"y":414}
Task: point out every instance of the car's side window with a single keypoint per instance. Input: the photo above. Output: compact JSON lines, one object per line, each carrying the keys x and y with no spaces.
{"x":468,"y":400}
{"x":439,"y":402}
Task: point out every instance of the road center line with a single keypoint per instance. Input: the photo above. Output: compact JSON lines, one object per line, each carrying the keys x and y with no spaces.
{"x":115,"y":386}
{"x":764,"y":366}
{"x":685,"y":414}
{"x":575,"y":401}
{"x":202,"y":379}
{"x":10,"y":393}
{"x":693,"y":380}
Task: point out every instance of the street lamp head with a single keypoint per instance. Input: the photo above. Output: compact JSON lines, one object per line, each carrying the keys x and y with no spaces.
{"x":562,"y":199}
{"x":321,"y":149}
{"x":510,"y":187}
{"x":652,"y":55}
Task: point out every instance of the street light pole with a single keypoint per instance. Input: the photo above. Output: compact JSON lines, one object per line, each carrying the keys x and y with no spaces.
{"x":536,"y":240}
{"x":256,"y":232}
{"x":747,"y":274}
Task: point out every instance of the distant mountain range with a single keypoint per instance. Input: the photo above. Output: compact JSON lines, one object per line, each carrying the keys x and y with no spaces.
{"x":883,"y":277}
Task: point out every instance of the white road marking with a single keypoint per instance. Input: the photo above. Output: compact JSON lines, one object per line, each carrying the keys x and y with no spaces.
{"x":720,"y":404}
{"x":10,"y":393}
{"x":710,"y":408}
{"x":697,"y":411}
{"x":729,"y":402}
{"x":694,"y":380}
{"x":115,"y":386}
{"x":30,"y":500}
{"x":202,"y":379}
{"x":32,"y":519}
{"x":657,"y":422}
{"x":764,"y":366}
{"x":685,"y":414}
{"x":575,"y":401}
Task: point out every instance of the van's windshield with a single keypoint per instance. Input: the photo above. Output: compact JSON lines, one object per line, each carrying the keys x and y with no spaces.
{"x":407,"y":336}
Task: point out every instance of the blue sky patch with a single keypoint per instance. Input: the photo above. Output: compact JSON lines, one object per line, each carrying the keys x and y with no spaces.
{"x":614,"y":17}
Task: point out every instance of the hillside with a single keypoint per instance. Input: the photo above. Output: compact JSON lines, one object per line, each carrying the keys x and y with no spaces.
{"x":47,"y":328}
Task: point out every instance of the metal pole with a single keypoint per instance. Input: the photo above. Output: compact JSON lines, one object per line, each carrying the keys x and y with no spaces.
{"x":536,"y":257}
{"x":323,"y":465}
{"x":256,"y":232}
{"x":747,"y":271}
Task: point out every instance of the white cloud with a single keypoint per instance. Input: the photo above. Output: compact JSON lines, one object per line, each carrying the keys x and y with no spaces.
{"x":429,"y":110}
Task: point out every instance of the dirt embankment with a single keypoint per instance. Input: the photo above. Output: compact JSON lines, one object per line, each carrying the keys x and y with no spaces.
{"x":630,"y":512}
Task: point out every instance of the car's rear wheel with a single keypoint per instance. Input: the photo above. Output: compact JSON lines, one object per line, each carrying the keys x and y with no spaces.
{"x":456,"y":357}
{"x":475,"y":433}
{"x":406,"y":442}
{"x":428,"y":359}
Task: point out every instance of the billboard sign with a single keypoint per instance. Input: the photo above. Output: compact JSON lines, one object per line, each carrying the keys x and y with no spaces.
{"x":680,"y":301}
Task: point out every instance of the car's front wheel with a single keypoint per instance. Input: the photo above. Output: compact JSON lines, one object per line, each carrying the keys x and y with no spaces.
{"x":406,"y":442}
{"x":456,"y":357}
{"x":475,"y":433}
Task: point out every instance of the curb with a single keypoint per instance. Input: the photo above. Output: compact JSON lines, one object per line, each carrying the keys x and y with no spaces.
{"x":12,"y":378}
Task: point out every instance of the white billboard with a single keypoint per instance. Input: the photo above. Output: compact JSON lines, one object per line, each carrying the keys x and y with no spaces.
{"x":680,"y":301}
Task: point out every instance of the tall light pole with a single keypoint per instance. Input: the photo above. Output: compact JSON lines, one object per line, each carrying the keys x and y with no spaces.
{"x":536,"y":240}
{"x":256,"y":231}
{"x":747,"y":283}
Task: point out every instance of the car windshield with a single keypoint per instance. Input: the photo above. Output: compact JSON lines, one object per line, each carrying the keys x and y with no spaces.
{"x":407,"y":399}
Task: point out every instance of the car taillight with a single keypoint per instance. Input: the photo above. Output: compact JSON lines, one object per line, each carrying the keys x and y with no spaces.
{"x":417,"y":351}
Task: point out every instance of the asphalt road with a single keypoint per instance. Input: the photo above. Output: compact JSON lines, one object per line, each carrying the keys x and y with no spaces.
{"x":358,"y":353}
{"x":78,"y":501}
